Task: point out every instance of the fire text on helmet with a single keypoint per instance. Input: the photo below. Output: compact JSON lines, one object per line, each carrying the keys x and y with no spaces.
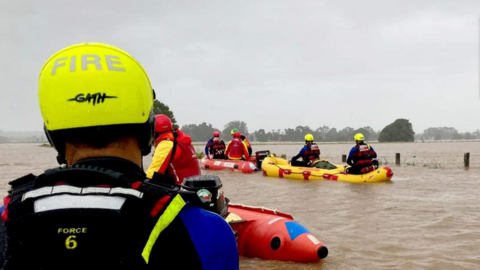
{"x":111,"y":62}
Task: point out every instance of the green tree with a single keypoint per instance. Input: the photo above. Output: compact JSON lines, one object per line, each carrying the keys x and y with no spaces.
{"x":365,"y":132}
{"x":457,"y":136}
{"x":372,"y":134}
{"x":261,"y":136}
{"x":321,"y":133}
{"x":399,"y":131}
{"x":289,"y":135}
{"x":240,"y":125}
{"x":275,"y":135}
{"x":301,"y":131}
{"x":442,"y":132}
{"x":476,"y":134}
{"x":331,"y":135}
{"x":199,"y":133}
{"x":346,"y":134}
{"x":162,"y":108}
{"x":3,"y":139}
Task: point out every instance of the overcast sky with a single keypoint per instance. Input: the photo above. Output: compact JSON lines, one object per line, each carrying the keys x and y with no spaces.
{"x":271,"y":63}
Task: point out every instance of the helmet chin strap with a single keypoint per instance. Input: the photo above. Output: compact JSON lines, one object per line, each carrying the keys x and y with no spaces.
{"x":61,"y":159}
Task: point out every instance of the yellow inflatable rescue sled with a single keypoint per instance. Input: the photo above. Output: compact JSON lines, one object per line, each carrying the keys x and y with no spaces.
{"x":321,"y":170}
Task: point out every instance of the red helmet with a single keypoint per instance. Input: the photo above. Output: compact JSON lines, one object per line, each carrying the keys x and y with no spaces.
{"x":236,"y":134}
{"x":216,"y":134}
{"x":162,"y":123}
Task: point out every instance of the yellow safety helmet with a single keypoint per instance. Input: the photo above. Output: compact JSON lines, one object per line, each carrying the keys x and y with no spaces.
{"x":309,"y":138}
{"x":359,"y":137}
{"x":94,"y":85}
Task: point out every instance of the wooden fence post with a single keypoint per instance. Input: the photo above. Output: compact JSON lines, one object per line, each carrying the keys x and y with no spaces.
{"x":344,"y":158}
{"x":466,"y":160}
{"x":397,"y":159}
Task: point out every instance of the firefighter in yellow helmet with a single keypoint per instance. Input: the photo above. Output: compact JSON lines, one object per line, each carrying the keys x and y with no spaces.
{"x":361,"y":157}
{"x":99,"y":211}
{"x":309,"y":153}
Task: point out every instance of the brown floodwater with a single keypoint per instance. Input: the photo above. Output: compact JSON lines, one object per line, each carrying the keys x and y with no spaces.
{"x":427,"y":217}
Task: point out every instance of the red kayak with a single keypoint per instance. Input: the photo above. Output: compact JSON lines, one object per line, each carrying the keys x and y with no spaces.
{"x":234,"y":165}
{"x":272,"y":235}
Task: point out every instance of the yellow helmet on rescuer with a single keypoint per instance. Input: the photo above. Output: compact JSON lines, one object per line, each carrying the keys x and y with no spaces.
{"x":309,"y":138}
{"x":94,"y":87}
{"x":359,"y":137}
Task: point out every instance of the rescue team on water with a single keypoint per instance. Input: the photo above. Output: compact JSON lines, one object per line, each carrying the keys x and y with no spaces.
{"x":239,"y":148}
{"x":361,"y":157}
{"x":362,"y":166}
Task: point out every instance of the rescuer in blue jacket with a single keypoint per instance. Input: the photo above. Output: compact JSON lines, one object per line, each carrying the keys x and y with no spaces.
{"x":361,"y":156}
{"x":215,"y":148}
{"x":309,"y":153}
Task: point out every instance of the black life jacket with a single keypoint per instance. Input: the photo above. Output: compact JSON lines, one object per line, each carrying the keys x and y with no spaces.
{"x":218,"y":149}
{"x":80,"y":225}
{"x":362,"y":155}
{"x":313,"y":153}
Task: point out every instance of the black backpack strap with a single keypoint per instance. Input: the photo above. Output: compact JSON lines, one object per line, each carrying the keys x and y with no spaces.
{"x":82,"y":176}
{"x":22,"y":184}
{"x":174,"y":149}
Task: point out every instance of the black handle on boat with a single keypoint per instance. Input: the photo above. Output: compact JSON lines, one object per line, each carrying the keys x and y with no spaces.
{"x":322,"y":252}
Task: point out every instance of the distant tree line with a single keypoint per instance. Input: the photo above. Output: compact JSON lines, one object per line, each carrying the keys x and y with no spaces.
{"x":446,"y":133}
{"x":400,"y":130}
{"x":29,"y":139}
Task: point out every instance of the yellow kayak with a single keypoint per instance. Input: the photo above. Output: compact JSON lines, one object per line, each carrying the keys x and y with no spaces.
{"x":322,"y":170}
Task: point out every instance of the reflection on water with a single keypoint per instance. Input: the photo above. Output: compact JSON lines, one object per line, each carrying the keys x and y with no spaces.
{"x":424,"y":219}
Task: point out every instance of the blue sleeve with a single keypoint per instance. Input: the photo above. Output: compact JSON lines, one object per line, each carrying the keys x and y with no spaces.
{"x":213,"y":238}
{"x":371,"y":148}
{"x":208,"y":146}
{"x":352,"y":152}
{"x":304,"y":149}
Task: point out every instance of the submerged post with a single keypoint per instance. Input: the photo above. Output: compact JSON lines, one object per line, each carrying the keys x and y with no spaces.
{"x":397,"y":159}
{"x":466,"y":159}
{"x":344,"y":158}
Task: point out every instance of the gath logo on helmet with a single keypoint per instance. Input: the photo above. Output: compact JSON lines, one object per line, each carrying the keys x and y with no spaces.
{"x":96,"y":98}
{"x":93,"y":72}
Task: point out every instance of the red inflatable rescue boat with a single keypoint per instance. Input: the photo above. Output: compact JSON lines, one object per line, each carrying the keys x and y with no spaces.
{"x":272,"y":235}
{"x":234,"y":165}
{"x":253,"y":164}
